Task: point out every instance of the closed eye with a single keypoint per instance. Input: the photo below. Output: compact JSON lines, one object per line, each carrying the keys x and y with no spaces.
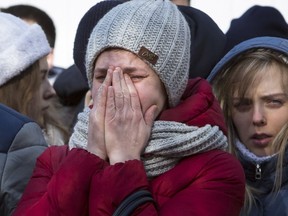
{"x":137,"y":77}
{"x":100,"y":77}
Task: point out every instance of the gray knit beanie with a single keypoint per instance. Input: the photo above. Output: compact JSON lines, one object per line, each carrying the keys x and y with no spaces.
{"x":154,"y":30}
{"x":21,"y":45}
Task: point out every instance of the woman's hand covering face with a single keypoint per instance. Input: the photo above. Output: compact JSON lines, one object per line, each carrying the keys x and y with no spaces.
{"x":118,"y":128}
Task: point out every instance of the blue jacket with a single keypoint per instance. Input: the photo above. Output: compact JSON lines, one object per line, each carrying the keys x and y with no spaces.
{"x":278,"y":44}
{"x":21,"y":142}
{"x":267,"y":203}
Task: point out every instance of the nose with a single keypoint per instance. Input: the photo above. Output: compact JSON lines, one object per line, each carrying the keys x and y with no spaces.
{"x":49,"y":91}
{"x":258,"y":116}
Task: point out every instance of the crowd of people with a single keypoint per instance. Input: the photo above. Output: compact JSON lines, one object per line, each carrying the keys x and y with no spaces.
{"x":161,"y":113}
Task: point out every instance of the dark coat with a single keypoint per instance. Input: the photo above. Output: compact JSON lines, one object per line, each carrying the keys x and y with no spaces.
{"x":268,"y":202}
{"x":21,"y":142}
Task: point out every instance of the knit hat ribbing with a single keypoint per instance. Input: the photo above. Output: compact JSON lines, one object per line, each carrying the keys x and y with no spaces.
{"x":21,"y":45}
{"x":206,"y":37}
{"x":84,"y":29}
{"x":153,"y":28}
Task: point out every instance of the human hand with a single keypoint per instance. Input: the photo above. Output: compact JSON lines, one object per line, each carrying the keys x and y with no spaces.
{"x":127,"y":128}
{"x":96,"y":128}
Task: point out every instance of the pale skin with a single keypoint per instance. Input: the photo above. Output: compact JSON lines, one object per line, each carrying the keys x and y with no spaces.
{"x":127,"y":97}
{"x":46,"y":89}
{"x":263,"y":112}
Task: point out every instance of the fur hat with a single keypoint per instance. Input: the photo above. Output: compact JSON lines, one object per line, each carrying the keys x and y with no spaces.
{"x":21,"y":45}
{"x":255,"y":22}
{"x":154,"y":30}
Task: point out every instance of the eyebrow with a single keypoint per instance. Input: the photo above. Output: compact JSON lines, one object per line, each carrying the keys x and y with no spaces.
{"x":274,"y":95}
{"x":264,"y":96}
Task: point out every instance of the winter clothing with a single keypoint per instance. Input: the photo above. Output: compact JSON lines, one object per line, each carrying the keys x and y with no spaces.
{"x":260,"y":174}
{"x":207,"y":42}
{"x":34,"y":14}
{"x":76,"y":182}
{"x":85,"y":27}
{"x":257,"y":21}
{"x":18,"y":153}
{"x":169,"y":141}
{"x":278,"y":44}
{"x":70,"y":86}
{"x":260,"y":171}
{"x":21,"y":45}
{"x":159,"y":35}
{"x":206,"y":38}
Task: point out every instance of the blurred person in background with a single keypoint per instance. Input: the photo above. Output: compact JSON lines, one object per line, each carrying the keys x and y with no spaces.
{"x":32,"y":14}
{"x":56,"y":130}
{"x":23,"y":84}
{"x":257,"y":21}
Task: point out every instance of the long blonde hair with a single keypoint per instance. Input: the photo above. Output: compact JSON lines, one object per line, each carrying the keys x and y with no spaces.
{"x":22,"y":92}
{"x":245,"y":69}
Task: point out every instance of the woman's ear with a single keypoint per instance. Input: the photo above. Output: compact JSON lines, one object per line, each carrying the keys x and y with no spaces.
{"x":88,"y":99}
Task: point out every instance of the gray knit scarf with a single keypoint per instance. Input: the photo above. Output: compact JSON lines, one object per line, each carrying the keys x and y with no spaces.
{"x":169,"y":142}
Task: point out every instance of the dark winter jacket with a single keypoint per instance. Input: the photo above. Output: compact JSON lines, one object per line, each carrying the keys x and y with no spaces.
{"x":267,"y":202}
{"x":21,"y":142}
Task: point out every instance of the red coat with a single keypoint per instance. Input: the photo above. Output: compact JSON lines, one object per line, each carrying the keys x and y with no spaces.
{"x":77,"y":183}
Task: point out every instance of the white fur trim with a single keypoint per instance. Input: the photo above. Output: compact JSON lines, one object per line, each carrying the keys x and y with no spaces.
{"x":21,"y":45}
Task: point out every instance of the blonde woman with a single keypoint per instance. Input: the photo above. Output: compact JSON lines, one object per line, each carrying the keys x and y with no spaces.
{"x":24,"y":84}
{"x":23,"y":88}
{"x":23,"y":92}
{"x":251,"y":84}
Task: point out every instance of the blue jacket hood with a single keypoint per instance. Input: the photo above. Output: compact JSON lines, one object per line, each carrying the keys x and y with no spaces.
{"x":275,"y":43}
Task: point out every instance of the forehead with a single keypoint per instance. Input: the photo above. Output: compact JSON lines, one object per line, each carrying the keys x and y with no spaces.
{"x":116,"y":55}
{"x":266,"y":80}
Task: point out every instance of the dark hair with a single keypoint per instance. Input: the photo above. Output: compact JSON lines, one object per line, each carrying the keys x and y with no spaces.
{"x":29,"y":12}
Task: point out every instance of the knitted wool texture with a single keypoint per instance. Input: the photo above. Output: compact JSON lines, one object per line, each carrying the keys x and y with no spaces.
{"x":21,"y":45}
{"x":85,"y":28}
{"x":169,"y":142}
{"x":156,"y":25}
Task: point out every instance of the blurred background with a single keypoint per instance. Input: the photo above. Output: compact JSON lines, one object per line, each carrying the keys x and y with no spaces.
{"x":66,"y":15}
